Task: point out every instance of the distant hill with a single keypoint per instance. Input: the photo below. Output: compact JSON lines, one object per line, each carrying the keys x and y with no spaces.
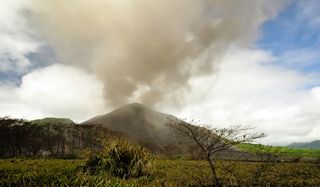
{"x":55,"y":121}
{"x":140,"y":123}
{"x":311,"y":145}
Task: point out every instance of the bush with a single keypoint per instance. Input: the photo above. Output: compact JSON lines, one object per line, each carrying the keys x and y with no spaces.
{"x":119,"y":158}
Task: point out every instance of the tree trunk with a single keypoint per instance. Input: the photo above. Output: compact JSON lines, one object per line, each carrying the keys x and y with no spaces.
{"x":213,"y":171}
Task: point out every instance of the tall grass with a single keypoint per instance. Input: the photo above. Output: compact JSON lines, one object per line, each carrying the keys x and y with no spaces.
{"x":119,"y":157}
{"x":53,"y":172}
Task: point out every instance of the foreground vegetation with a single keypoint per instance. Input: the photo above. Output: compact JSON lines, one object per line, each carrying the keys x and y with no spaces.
{"x":163,"y":172}
{"x":118,"y":157}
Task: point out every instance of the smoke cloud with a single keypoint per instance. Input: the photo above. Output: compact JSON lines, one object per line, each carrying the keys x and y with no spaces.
{"x":144,"y":49}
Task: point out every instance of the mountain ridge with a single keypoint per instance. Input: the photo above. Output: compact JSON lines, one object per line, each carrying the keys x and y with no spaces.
{"x":310,"y":145}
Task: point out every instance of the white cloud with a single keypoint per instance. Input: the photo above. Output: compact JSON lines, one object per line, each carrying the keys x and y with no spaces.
{"x":250,"y":89}
{"x":300,"y":58}
{"x":16,"y":39}
{"x":57,"y":90}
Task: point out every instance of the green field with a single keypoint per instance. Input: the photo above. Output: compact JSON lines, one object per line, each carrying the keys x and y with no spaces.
{"x":282,"y":151}
{"x":53,"y":172}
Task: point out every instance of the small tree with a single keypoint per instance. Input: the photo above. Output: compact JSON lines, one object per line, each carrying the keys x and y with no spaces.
{"x":211,"y":142}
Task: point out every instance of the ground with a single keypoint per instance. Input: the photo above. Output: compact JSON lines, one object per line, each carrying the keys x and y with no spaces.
{"x":161,"y":172}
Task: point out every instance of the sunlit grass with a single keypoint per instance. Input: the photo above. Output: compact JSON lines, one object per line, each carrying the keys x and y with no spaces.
{"x":40,"y":172}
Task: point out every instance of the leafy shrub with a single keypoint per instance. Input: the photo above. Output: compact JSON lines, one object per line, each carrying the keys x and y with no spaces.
{"x":119,"y":158}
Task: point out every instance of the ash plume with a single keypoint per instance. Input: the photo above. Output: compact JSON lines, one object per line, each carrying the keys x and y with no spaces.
{"x":144,"y":49}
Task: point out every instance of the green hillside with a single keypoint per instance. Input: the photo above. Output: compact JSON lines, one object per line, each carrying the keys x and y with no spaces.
{"x":56,"y":121}
{"x":282,"y":151}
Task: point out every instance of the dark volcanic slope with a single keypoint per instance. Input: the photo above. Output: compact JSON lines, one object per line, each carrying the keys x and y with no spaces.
{"x":140,"y":123}
{"x":146,"y":126}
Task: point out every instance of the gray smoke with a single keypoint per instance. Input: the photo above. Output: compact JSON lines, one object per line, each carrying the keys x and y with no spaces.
{"x":144,"y":49}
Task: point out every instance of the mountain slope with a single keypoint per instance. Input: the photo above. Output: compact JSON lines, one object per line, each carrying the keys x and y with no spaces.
{"x":312,"y":145}
{"x":152,"y":129}
{"x":140,"y":123}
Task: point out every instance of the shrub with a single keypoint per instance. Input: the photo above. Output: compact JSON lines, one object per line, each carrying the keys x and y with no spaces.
{"x":119,"y":158}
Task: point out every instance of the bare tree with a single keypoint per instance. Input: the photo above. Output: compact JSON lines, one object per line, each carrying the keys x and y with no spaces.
{"x":212,"y":142}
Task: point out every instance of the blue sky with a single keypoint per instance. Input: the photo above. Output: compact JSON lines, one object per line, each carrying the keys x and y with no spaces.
{"x":295,"y":30}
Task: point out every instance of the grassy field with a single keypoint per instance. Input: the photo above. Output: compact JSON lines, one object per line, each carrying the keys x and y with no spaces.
{"x":53,"y":172}
{"x":282,"y":151}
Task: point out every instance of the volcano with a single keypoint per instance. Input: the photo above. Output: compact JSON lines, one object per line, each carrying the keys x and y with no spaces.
{"x":140,"y":123}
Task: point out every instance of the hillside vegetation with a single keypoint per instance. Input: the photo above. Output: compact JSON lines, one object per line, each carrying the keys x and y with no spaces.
{"x":57,"y":121}
{"x":47,"y":137}
{"x":282,"y":151}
